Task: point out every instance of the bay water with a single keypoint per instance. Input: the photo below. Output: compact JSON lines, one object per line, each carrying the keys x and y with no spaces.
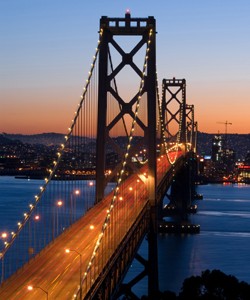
{"x":223,"y":242}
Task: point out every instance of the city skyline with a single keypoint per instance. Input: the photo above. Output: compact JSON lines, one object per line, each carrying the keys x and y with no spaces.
{"x":47,"y":50}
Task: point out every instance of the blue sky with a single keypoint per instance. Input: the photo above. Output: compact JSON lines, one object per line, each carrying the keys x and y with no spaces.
{"x":47,"y":47}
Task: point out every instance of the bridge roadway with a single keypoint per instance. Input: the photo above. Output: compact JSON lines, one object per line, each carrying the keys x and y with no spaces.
{"x":57,"y":272}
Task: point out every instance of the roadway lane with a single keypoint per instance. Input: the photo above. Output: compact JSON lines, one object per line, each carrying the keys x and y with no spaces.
{"x":54,"y":270}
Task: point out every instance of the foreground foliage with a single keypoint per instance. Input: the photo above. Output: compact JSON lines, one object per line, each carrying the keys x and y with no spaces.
{"x":211,"y":285}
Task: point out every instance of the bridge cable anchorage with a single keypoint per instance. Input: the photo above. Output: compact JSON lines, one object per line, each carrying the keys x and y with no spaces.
{"x":124,"y":163}
{"x":56,"y":162}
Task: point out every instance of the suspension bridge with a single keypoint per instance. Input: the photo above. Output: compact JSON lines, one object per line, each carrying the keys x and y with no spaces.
{"x":80,"y":233}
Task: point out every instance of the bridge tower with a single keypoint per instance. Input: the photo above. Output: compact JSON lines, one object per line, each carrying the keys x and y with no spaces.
{"x":174,"y":109}
{"x":179,"y":127}
{"x":142,"y":28}
{"x":190,"y":126}
{"x":191,"y":137}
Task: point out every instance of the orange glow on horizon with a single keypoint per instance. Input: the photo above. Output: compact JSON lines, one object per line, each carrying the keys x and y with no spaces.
{"x":38,"y":111}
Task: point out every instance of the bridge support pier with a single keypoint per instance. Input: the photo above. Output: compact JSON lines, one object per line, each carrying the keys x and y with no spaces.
{"x":180,"y":193}
{"x":126,"y":288}
{"x":183,"y":188}
{"x":153,"y":282}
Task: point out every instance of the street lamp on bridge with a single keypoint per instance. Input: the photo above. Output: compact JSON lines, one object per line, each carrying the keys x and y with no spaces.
{"x":80,"y":256}
{"x":73,"y":205}
{"x":31,"y":287}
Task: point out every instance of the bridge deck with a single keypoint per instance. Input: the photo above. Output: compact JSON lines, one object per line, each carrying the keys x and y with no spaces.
{"x":57,"y":272}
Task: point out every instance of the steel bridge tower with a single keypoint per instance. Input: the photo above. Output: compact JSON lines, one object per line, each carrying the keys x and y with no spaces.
{"x":175,"y":90}
{"x":128,"y":26}
{"x":180,"y":116}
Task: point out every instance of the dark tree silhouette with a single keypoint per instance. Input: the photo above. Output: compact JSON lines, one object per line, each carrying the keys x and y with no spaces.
{"x":214,"y":285}
{"x":211,"y":285}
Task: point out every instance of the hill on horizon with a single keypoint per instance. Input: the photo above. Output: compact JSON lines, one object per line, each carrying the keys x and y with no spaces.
{"x":240,"y":143}
{"x":47,"y":139}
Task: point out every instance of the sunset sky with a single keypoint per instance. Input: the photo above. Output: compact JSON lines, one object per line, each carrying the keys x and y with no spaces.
{"x":46,"y":48}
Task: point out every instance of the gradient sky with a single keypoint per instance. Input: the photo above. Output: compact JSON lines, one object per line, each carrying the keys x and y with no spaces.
{"x":46,"y":48}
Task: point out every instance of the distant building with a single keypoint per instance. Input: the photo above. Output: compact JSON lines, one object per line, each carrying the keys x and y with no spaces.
{"x":220,"y":167}
{"x":243,"y":174}
{"x":217,"y":148}
{"x":228,"y":157}
{"x":221,"y":155}
{"x":247,"y":160}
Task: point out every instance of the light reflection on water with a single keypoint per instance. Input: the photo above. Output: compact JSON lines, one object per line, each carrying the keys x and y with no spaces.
{"x":226,"y":234}
{"x":229,"y":200}
{"x":218,"y":214}
{"x":223,"y":243}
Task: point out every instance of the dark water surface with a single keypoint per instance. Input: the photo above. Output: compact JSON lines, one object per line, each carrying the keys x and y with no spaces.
{"x":223,"y":242}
